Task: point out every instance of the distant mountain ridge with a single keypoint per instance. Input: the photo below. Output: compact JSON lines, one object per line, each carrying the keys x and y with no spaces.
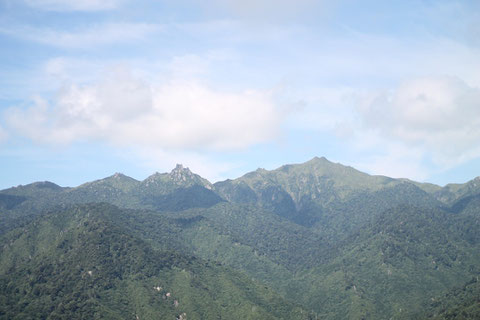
{"x":323,"y":236}
{"x":298,"y":180}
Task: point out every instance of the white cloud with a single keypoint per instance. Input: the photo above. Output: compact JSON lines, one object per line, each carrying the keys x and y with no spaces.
{"x":394,"y":160}
{"x":98,"y":35}
{"x":419,"y":128}
{"x":441,"y":115}
{"x":74,"y":5}
{"x":60,"y":70}
{"x":127,"y":111}
{"x":265,"y":10}
{"x":3,"y":134}
{"x":267,"y":7}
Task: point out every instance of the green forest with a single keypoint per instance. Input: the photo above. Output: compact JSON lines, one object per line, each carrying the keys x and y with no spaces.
{"x":316,"y":240}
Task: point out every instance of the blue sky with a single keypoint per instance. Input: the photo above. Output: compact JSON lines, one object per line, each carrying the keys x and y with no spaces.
{"x":93,"y":87}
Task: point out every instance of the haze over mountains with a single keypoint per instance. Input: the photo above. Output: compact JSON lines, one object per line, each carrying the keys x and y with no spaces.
{"x":312,"y":240}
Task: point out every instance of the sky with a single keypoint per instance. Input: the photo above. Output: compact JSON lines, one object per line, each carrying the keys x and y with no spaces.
{"x":93,"y":87}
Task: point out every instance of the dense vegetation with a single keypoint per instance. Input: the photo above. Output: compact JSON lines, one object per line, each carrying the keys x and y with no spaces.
{"x":272,"y":244}
{"x":80,"y":262}
{"x":460,"y":303}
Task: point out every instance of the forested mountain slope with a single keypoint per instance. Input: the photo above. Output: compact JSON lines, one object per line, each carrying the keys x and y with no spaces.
{"x":460,"y":303}
{"x":326,"y":237}
{"x":81,"y":262}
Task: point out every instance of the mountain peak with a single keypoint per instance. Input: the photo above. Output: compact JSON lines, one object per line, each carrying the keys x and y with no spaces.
{"x":179,"y":166}
{"x":46,"y":185}
{"x":117,"y":181}
{"x":181,"y":174}
{"x":118,"y":175}
{"x":316,"y":159}
{"x":38,"y":185}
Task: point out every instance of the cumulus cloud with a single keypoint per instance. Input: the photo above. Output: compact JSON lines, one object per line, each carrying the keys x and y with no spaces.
{"x":124,"y":110}
{"x":105,"y":34}
{"x":60,"y":70}
{"x":441,"y":115}
{"x":74,"y":5}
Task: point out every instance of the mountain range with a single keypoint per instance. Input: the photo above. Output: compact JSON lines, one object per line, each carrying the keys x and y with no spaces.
{"x":317,"y":240}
